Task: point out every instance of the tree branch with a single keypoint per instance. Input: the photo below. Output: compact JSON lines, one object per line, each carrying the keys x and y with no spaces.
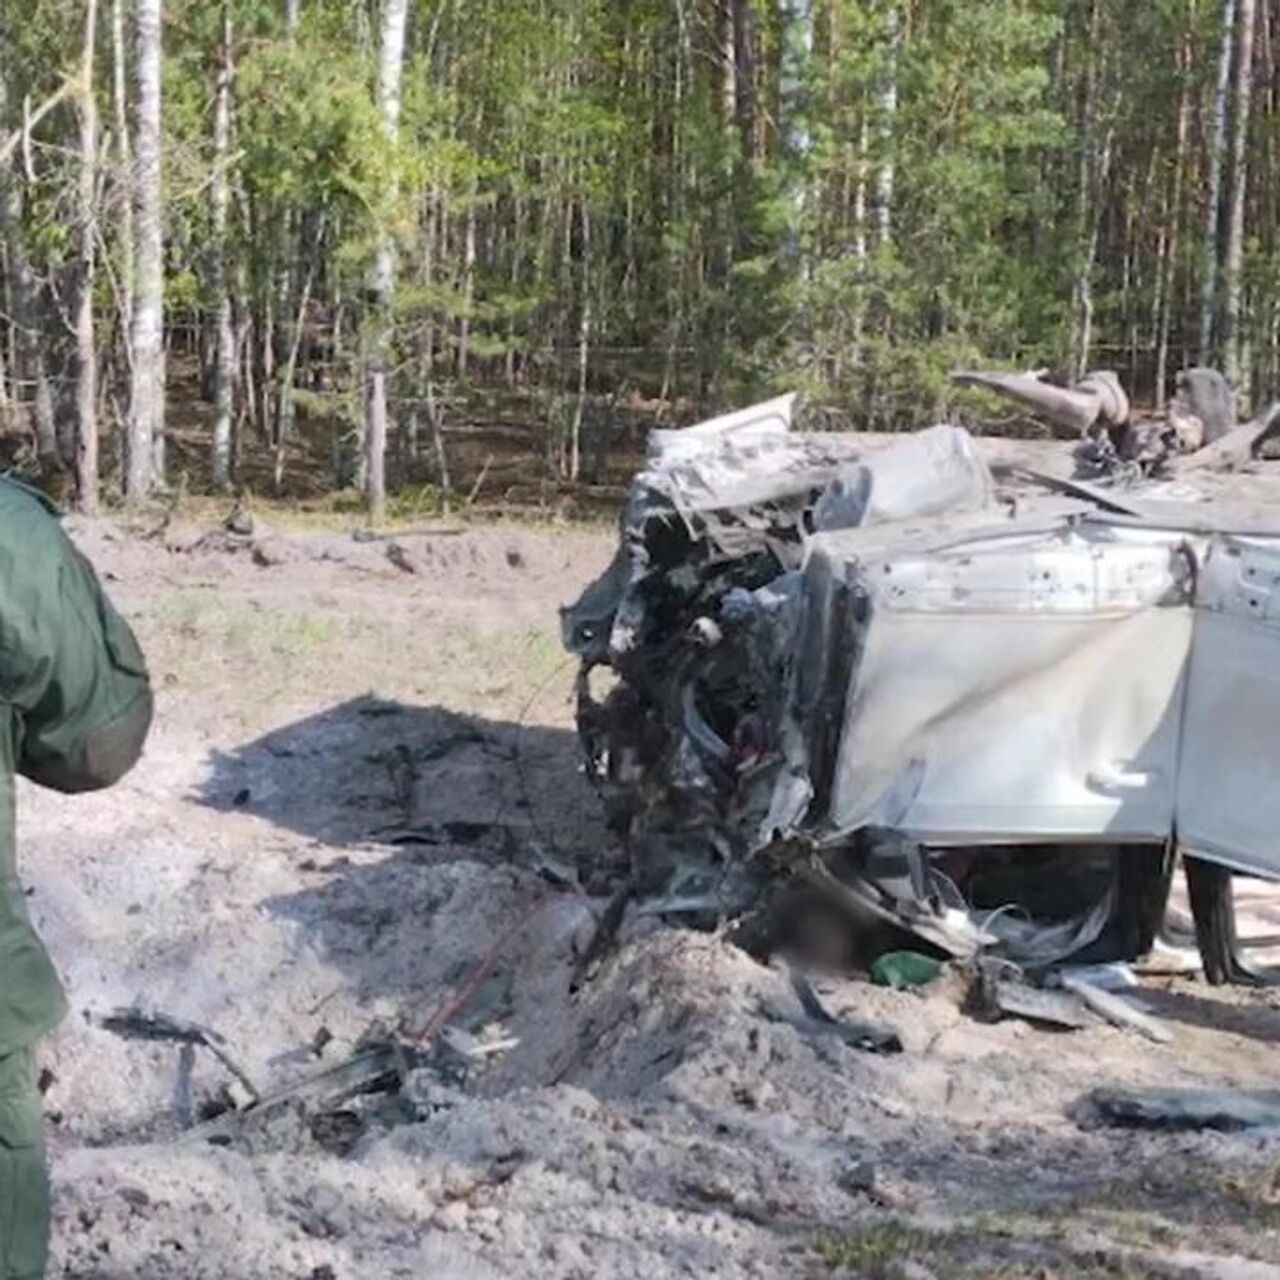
{"x":20,"y":136}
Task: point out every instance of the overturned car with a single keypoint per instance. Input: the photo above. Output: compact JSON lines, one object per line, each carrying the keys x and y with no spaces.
{"x":987,"y":706}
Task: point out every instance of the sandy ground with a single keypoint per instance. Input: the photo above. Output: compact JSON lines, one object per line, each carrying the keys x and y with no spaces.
{"x":361,"y":771}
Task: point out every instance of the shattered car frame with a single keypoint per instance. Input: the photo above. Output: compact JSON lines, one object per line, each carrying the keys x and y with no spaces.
{"x":899,"y":682}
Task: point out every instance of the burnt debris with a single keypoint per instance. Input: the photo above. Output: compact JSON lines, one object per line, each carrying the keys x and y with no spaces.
{"x":950,"y":703}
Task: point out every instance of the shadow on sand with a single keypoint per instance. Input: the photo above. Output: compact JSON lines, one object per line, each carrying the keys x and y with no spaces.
{"x":407,"y":813}
{"x":372,"y":771}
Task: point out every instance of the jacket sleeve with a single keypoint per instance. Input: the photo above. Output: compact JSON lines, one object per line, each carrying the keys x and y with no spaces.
{"x":69,"y":664}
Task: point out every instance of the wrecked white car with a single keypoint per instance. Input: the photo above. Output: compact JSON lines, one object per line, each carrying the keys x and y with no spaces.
{"x":987,"y":707}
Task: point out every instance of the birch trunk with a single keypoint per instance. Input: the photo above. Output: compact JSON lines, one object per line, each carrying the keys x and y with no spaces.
{"x":290,"y":369}
{"x":727,"y":54}
{"x":1169,"y":237}
{"x":468,"y":284}
{"x":1234,"y":261}
{"x":858,"y":302}
{"x":86,"y":442}
{"x":1097,"y":137}
{"x":224,"y":359}
{"x":887,"y":177}
{"x":432,"y":252}
{"x":390,"y":67}
{"x":146,"y":392}
{"x":584,"y":348}
{"x":124,"y":163}
{"x":1217,"y":144}
{"x":284,"y":338}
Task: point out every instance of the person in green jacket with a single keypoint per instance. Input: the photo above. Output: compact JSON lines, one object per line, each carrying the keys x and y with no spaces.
{"x":75,"y":707}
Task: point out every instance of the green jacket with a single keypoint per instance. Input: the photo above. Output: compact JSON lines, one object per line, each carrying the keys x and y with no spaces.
{"x":75,"y":707}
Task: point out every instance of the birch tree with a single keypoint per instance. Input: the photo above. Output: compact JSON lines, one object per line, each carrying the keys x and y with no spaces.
{"x":1168,"y":241}
{"x":124,"y":171}
{"x":886,"y":178}
{"x":220,"y":198}
{"x":86,"y":443}
{"x":390,"y":68}
{"x":1234,"y":256}
{"x":1217,"y":145}
{"x":1096,"y":138}
{"x":145,"y":468}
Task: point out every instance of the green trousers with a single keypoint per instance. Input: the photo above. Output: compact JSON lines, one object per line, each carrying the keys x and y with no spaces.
{"x":24,"y":1180}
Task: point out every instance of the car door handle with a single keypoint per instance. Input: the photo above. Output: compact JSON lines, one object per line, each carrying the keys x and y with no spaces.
{"x":1112,"y":778}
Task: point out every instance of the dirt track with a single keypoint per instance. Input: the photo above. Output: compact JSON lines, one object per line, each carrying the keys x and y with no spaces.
{"x":358,"y":769}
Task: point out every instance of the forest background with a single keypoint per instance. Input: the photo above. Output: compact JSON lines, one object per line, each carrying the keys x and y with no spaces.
{"x":309,"y":245}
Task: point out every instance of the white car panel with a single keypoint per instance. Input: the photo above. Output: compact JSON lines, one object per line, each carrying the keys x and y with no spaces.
{"x":1014,"y":689}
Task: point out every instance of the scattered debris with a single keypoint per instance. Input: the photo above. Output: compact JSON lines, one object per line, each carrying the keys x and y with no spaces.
{"x":1115,"y":976}
{"x":423,"y":531}
{"x":1240,"y":446}
{"x":459,"y":831}
{"x":401,"y":558}
{"x":1200,"y":423}
{"x":223,"y":540}
{"x":660,"y":1075}
{"x":604,"y":936}
{"x":1092,"y":493}
{"x":136,"y":1023}
{"x":1096,"y":400}
{"x":1203,"y":410}
{"x":1002,"y":990}
{"x":316,"y":1103}
{"x":240,"y":522}
{"x":873,"y":1037}
{"x":1226,"y":1110}
{"x":1097,"y":410}
{"x":556,"y":870}
{"x":949,"y":928}
{"x":902,"y":970}
{"x":477,"y":1048}
{"x":1116,"y":1009}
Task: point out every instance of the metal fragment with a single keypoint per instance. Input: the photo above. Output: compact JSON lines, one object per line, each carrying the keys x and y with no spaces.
{"x":1004,"y":994}
{"x":1226,"y":1110}
{"x":135,"y":1023}
{"x":1115,"y":1009}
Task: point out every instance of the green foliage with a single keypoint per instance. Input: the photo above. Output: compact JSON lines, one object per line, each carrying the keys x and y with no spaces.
{"x":845,"y":196}
{"x":309,"y":131}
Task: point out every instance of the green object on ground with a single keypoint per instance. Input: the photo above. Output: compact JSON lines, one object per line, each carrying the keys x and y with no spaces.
{"x":903,"y":969}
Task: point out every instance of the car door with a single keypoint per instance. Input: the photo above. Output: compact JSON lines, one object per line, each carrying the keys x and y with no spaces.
{"x":1228,"y":806}
{"x":1014,"y":688}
